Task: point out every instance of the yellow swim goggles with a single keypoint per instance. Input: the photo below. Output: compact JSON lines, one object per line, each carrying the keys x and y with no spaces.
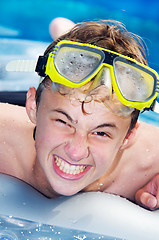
{"x":74,"y":64}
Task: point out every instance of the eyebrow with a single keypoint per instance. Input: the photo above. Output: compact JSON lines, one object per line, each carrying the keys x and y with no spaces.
{"x":111,"y":125}
{"x":64,"y":113}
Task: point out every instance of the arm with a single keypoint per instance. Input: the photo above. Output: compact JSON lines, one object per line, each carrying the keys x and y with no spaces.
{"x":148,"y":196}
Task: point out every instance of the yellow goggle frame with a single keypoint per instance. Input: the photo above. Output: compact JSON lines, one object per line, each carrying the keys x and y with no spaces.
{"x":55,"y":67}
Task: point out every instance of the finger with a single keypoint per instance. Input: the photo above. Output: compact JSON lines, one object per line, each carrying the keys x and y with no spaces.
{"x":153,"y":188}
{"x":157,"y":197}
{"x":146,"y":199}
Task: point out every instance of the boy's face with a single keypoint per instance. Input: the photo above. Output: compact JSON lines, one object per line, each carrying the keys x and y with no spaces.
{"x":75,"y":149}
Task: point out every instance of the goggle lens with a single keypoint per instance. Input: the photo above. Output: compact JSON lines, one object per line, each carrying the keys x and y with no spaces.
{"x":76,"y":64}
{"x":134,"y":84}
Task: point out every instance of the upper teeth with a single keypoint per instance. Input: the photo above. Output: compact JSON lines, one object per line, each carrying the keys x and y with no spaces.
{"x":67,"y":168}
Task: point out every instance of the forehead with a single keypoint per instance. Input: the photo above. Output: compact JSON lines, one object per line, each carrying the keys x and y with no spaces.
{"x":88,"y":93}
{"x":72,"y":103}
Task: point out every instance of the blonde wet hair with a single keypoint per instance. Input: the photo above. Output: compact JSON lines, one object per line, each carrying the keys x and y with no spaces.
{"x":107,"y":34}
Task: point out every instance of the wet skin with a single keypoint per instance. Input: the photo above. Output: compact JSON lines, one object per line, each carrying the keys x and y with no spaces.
{"x":114,"y":166}
{"x":74,"y":149}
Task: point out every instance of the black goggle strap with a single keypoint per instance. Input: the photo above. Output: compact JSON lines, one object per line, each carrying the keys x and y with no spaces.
{"x":154,"y":107}
{"x":41,"y":65}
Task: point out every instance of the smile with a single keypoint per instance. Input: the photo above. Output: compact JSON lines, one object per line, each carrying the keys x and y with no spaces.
{"x":69,"y":171}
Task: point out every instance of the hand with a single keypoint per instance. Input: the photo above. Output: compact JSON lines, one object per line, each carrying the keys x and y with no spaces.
{"x":148,"y":196}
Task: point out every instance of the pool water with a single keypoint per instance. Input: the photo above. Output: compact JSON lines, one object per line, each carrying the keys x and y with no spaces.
{"x":18,"y":49}
{"x":30,"y":19}
{"x":17,"y":229}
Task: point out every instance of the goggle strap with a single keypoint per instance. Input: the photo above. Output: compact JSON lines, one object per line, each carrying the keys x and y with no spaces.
{"x":41,"y":65}
{"x":21,"y":66}
{"x":156,"y":107}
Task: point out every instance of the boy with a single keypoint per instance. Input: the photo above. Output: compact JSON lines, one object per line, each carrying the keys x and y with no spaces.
{"x":83,"y":117}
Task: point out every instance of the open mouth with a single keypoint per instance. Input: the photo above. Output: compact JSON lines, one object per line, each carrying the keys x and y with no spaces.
{"x":69,"y":171}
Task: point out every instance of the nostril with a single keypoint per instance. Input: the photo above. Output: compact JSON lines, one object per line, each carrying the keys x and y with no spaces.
{"x":76,"y":152}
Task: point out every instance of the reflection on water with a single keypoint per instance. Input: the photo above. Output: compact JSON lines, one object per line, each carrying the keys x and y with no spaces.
{"x":20,"y":19}
{"x":14,"y":49}
{"x":16,"y":229}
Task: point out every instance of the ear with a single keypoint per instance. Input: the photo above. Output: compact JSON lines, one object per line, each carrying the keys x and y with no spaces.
{"x":130,"y":137}
{"x":31,"y":104}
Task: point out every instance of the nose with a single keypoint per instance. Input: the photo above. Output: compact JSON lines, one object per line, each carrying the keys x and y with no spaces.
{"x":76,"y":148}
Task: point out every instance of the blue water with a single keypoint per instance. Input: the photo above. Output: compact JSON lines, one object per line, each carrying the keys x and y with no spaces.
{"x":29,"y":19}
{"x":17,"y":229}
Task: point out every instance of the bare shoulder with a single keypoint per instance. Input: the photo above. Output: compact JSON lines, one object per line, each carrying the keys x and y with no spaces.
{"x":143,"y":152}
{"x":139,"y":162}
{"x":146,"y":145}
{"x":16,"y":142}
{"x":10,"y":112}
{"x":13,"y":118}
{"x":148,"y":132}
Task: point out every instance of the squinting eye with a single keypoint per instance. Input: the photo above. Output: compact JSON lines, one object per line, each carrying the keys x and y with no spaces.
{"x":63,"y":122}
{"x":59,"y":120}
{"x":102,"y":134}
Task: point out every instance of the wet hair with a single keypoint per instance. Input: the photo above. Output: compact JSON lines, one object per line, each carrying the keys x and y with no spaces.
{"x":107,"y":34}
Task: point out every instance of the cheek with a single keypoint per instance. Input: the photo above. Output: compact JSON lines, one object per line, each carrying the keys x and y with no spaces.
{"x":48,"y":137}
{"x":104,"y":160}
{"x":105,"y":156}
